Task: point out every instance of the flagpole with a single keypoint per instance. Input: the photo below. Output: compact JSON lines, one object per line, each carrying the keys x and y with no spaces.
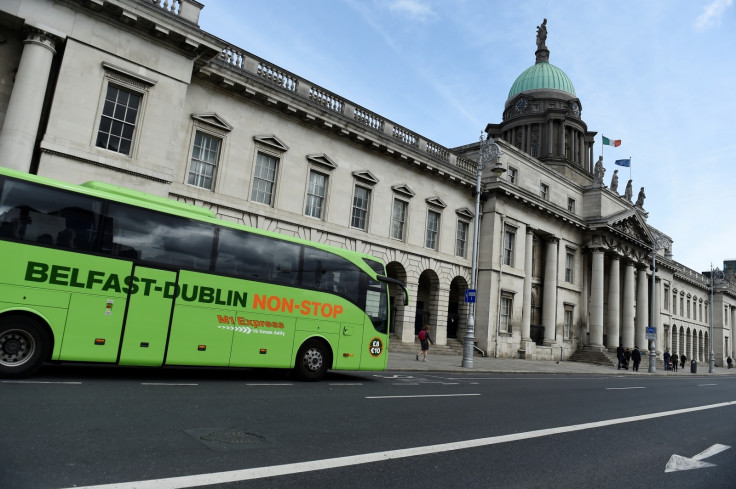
{"x":629,"y":167}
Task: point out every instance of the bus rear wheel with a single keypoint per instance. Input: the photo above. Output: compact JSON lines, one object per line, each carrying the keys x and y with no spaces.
{"x":23,"y":346}
{"x":312,"y":361}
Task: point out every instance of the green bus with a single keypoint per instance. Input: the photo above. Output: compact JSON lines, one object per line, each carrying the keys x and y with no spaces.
{"x":100,"y":273}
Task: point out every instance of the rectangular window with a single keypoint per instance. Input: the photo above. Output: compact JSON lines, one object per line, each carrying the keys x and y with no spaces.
{"x":361,"y":201}
{"x":674,"y":303}
{"x":666,"y":304}
{"x":316,"y":191}
{"x":398,"y":219}
{"x":682,"y":306}
{"x":205,"y":154}
{"x":506,"y":310}
{"x":688,"y":308}
{"x":433,"y":230}
{"x":700,"y":307}
{"x":567,"y":331}
{"x":512,"y":175}
{"x":117,"y":123}
{"x":264,"y":179}
{"x":508,"y":248}
{"x":544,"y":191}
{"x":725,"y":315}
{"x":571,"y":205}
{"x":569,"y":263}
{"x":462,"y":239}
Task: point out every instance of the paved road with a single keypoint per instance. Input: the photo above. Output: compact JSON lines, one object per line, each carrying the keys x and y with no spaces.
{"x":445,"y":427}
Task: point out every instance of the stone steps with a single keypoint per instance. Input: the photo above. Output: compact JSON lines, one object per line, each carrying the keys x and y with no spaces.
{"x":454,"y":346}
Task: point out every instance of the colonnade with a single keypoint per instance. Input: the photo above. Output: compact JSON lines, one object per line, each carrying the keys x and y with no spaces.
{"x":529,"y":138}
{"x":622,"y":319}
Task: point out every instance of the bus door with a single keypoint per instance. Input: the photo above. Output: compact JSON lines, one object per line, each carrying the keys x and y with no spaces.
{"x":152,"y":292}
{"x":350,"y":346}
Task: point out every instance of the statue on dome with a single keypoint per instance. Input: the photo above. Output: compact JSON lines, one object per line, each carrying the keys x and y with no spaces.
{"x":599,"y":171}
{"x":614,"y":181}
{"x":640,"y":198}
{"x":542,"y":34}
{"x":629,"y":192}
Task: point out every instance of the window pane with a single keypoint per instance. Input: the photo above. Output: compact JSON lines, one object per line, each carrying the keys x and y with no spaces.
{"x":398,"y":219}
{"x":204,"y":160}
{"x":316,"y":194}
{"x":433,"y":226}
{"x":264,"y":179}
{"x":360,"y":208}
{"x":118,"y":118}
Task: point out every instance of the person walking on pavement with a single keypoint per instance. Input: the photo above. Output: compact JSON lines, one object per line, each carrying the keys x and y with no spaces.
{"x":627,"y":357}
{"x":674,"y":362}
{"x":425,"y":340}
{"x":636,"y":357}
{"x":683,"y":359}
{"x":620,"y":355}
{"x":729,"y":362}
{"x":667,"y":359}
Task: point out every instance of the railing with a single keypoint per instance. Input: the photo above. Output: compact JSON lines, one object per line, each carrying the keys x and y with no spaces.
{"x":186,"y":9}
{"x":242,"y":61}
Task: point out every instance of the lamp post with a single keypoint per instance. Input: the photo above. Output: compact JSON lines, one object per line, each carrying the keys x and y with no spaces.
{"x":712,"y":359}
{"x":489,"y":151}
{"x":658,"y":243}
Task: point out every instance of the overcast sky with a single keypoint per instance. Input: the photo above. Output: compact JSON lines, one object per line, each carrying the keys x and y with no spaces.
{"x":658,"y":74}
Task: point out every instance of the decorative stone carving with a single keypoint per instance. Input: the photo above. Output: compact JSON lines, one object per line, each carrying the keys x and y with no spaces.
{"x":629,"y":192}
{"x":614,"y":181}
{"x":640,"y":198}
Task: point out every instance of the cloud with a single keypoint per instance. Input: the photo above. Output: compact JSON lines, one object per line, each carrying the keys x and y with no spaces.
{"x":416,"y":9}
{"x":712,"y":14}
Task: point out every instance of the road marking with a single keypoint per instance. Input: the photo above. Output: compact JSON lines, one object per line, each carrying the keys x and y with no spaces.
{"x":701,"y":385}
{"x":420,"y":395}
{"x":332,"y":463}
{"x":163,"y":383}
{"x":356,"y":383}
{"x":622,"y":388}
{"x":267,"y":384}
{"x":678,"y":462}
{"x":37,"y":382}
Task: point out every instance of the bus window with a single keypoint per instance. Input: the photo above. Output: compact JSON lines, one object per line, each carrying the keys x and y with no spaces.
{"x":376,"y":305}
{"x":331,"y":273}
{"x":48,"y":216}
{"x":255,"y":257}
{"x":159,"y":238}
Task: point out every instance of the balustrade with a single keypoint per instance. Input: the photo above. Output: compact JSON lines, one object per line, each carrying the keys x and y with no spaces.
{"x":326,"y":99}
{"x":368,"y":118}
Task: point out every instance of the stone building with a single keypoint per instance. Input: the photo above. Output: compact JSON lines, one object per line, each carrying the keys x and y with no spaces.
{"x":134,"y":93}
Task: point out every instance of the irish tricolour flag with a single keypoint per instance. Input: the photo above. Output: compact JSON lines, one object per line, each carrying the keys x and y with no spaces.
{"x":611,"y":142}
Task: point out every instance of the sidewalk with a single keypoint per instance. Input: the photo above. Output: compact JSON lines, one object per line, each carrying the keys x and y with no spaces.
{"x":452,"y":363}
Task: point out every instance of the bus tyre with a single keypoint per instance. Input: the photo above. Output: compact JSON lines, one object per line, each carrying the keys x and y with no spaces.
{"x":24,"y":346}
{"x":312,"y":361}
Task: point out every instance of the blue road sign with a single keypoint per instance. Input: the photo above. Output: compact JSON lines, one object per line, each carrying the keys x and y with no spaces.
{"x":470,"y":295}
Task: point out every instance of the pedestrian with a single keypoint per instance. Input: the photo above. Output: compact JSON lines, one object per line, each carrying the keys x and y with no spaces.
{"x":674,"y":362}
{"x":425,"y":339}
{"x":636,"y":357}
{"x":667,"y":359}
{"x":620,"y":355}
{"x":683,"y":359}
{"x":627,"y":357}
{"x":729,"y":362}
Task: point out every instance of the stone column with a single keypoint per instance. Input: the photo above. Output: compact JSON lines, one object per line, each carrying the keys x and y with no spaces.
{"x":642,"y":309}
{"x":526,"y":311}
{"x":549,"y":303}
{"x":596,"y":298}
{"x":627,"y":323}
{"x":18,"y":137}
{"x":614,"y":308}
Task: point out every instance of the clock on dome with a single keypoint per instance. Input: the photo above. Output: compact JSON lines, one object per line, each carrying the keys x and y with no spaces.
{"x":520,"y":105}
{"x":576,"y":109}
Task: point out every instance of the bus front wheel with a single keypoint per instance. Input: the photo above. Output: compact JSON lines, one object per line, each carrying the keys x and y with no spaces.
{"x":312,"y":361}
{"x":23,"y":346}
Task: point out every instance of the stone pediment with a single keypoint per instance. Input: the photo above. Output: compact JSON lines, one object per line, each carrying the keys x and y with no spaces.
{"x":632,"y":227}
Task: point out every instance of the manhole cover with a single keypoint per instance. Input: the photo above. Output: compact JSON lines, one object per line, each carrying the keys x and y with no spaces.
{"x":227,"y":438}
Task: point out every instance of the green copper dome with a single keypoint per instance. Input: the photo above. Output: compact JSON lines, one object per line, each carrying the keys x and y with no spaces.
{"x":542,"y":76}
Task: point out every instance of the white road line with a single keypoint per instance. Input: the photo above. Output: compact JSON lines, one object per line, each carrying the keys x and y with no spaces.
{"x":420,"y":395}
{"x":37,"y":382}
{"x":701,"y":385}
{"x":622,"y":388}
{"x":357,"y":383}
{"x":163,"y":383}
{"x":259,"y":384}
{"x":332,"y":463}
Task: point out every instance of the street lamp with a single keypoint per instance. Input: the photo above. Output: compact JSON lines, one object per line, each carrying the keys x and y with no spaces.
{"x":713,"y":273}
{"x":489,"y":151}
{"x":658,"y":243}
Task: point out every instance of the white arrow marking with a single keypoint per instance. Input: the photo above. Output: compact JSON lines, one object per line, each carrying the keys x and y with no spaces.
{"x":678,"y":462}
